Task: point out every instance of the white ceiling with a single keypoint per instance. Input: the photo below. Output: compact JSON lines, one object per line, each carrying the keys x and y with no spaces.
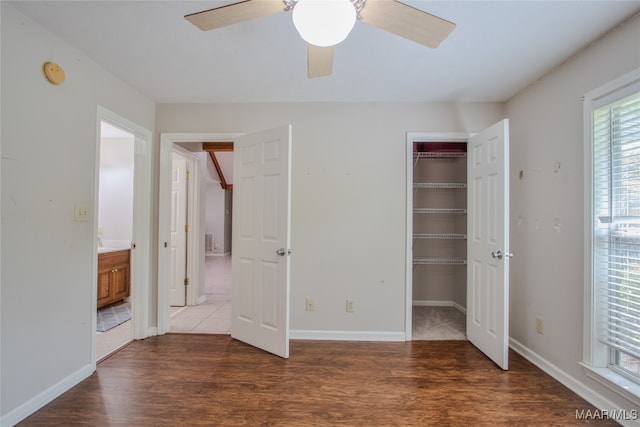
{"x":498,"y":48}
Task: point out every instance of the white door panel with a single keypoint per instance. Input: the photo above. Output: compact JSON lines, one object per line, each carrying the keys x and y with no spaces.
{"x":488,"y":233}
{"x":261,"y":218}
{"x":178,"y":249}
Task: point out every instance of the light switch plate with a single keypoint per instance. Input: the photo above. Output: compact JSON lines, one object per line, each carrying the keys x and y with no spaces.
{"x":80,"y":213}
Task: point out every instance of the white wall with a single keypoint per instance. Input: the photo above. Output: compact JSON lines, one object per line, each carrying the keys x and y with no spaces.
{"x":215,"y":216}
{"x":49,"y":165}
{"x":348,"y":203}
{"x":115,"y":215}
{"x":547,"y":212}
{"x":218,"y":209}
{"x":214,"y":207}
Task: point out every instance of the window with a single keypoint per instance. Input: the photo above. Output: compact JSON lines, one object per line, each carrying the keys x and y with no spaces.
{"x":612,"y":313}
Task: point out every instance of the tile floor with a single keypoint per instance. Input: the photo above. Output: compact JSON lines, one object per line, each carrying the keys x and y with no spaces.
{"x":214,"y":315}
{"x":112,"y":340}
{"x":211,"y":317}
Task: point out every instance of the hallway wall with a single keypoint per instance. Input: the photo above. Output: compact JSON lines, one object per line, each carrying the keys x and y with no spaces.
{"x":49,"y":143}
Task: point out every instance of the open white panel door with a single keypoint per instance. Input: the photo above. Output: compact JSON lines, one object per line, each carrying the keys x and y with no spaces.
{"x":261,"y":240}
{"x":488,"y":242}
{"x":178,"y":255}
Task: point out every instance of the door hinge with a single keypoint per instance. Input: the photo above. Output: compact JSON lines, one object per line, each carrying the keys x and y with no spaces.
{"x":186,"y":281}
{"x":187,"y":176}
{"x":186,"y":228}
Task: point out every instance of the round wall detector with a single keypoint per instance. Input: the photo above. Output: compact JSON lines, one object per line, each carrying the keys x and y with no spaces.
{"x":53,"y":73}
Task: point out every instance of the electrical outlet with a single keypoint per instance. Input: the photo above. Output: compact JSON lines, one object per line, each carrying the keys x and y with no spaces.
{"x":539,"y":326}
{"x":351,"y":306}
{"x":310,"y":305}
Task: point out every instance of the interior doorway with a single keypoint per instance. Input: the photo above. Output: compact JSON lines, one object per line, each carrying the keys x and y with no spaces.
{"x":202,"y":310}
{"x":439,"y":238}
{"x":210,"y":310}
{"x":115,"y":236}
{"x":262,"y":158}
{"x":458,"y":236}
{"x":199,"y":194}
{"x":122,"y":205}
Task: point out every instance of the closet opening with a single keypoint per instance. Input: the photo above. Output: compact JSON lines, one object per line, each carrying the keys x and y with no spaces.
{"x":458,"y":255}
{"x":438,"y":207}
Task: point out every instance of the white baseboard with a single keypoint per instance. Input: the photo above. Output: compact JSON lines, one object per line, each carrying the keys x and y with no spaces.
{"x":346,"y":335}
{"x":202,"y":299}
{"x":171,"y":316}
{"x":431,"y":303}
{"x":581,"y":389}
{"x":41,"y":399}
{"x":460,"y":308}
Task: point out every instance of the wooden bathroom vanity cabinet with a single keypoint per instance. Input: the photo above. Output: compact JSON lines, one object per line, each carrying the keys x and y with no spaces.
{"x":113,"y":276}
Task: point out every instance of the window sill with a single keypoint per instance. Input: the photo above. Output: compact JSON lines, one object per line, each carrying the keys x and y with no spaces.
{"x":615,"y":382}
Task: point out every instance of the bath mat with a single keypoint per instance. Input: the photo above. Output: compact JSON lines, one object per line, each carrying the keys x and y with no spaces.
{"x":112,"y":316}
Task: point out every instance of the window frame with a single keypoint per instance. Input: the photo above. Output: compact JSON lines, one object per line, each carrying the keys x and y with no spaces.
{"x":595,"y":354}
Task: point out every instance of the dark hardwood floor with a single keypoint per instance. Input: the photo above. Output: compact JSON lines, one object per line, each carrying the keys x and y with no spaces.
{"x":213,"y":380}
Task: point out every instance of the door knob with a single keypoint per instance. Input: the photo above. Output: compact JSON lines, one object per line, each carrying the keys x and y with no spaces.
{"x":500,"y":255}
{"x":283,"y":252}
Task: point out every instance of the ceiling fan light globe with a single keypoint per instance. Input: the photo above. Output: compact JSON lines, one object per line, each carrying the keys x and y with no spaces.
{"x":324,"y":22}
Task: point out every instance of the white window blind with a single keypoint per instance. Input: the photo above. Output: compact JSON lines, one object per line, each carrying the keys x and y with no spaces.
{"x":616,"y":173}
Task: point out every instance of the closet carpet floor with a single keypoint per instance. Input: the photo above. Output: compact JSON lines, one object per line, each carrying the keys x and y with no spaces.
{"x":438,"y":323}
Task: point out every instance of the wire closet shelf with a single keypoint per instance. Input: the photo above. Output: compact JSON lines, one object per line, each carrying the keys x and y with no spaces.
{"x":440,"y":185}
{"x":439,"y":211}
{"x":417,"y":155}
{"x":438,"y":261}
{"x":440,"y":236}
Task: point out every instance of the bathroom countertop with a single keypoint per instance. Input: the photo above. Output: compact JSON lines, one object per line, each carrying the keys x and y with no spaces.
{"x":105,"y":250}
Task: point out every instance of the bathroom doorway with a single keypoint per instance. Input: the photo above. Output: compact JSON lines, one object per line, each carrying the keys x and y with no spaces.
{"x":115,"y":237}
{"x":122,"y":207}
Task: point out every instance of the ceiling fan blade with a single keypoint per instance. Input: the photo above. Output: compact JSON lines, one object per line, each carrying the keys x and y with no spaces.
{"x":319,"y":61}
{"x":234,"y":13}
{"x":406,"y":21}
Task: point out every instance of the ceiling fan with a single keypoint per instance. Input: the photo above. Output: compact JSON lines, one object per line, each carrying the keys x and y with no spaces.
{"x":311,"y":15}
